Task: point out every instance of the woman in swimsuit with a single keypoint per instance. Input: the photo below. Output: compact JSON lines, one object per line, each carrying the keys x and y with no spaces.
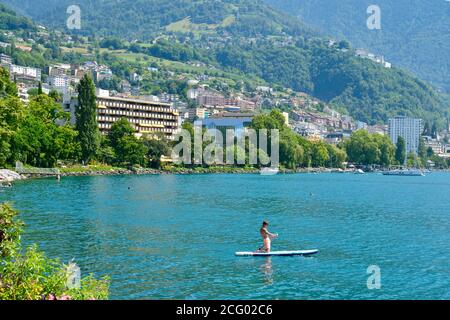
{"x":267,"y":237}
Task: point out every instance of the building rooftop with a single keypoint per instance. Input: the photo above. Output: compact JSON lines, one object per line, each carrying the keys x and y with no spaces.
{"x":135,"y":100}
{"x":233,"y":115}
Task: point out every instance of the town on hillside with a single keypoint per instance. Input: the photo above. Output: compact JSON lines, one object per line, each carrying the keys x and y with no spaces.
{"x":204,"y":100}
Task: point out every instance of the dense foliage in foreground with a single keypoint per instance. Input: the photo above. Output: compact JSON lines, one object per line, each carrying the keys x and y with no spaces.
{"x":31,"y":134}
{"x":27,"y":274}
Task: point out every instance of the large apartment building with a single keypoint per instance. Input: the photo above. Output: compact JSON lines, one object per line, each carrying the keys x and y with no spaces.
{"x":409,"y":129}
{"x":147,"y":117}
{"x":211,"y":100}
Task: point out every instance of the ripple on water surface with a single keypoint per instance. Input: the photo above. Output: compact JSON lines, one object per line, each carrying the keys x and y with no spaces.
{"x":174,"y":236}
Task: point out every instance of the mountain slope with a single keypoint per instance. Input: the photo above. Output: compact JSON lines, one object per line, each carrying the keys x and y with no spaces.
{"x":248,"y":37}
{"x":415,"y":34}
{"x":9,"y":20}
{"x":367,"y":91}
{"x":141,"y":19}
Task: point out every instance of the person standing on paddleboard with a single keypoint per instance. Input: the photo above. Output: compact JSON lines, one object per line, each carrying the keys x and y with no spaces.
{"x":267,"y":237}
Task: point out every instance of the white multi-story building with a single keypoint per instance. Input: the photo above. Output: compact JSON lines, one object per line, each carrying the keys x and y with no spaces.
{"x":147,"y":117}
{"x":59,"y":69}
{"x":5,"y":60}
{"x":61,"y":81}
{"x":25,"y":73}
{"x":407,"y":128}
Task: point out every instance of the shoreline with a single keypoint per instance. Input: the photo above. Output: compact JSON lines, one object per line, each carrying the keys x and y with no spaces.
{"x":13,"y":176}
{"x":177,"y":171}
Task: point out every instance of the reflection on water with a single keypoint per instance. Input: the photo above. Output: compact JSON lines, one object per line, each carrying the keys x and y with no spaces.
{"x":267,"y":270}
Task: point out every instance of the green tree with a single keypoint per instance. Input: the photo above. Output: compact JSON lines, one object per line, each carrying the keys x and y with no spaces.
{"x":291,"y":154}
{"x":55,"y":95}
{"x":362,"y":148}
{"x":128,"y":149}
{"x":400,"y":152}
{"x":337,"y":156}
{"x":387,"y":149}
{"x":319,"y":155}
{"x":273,"y":120}
{"x":39,"y":140}
{"x":434,"y":131}
{"x":7,"y":88}
{"x":40,"y":88}
{"x":411,"y":160}
{"x":105,"y":153}
{"x":156,"y":149}
{"x":27,"y":274}
{"x":427,"y":129}
{"x":86,"y":119}
{"x":120,"y":129}
{"x":422,"y":148}
{"x":131,"y":150}
{"x":11,"y":115}
{"x":276,"y":121}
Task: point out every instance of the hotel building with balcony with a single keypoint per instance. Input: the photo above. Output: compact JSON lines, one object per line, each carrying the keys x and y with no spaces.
{"x":147,"y":117}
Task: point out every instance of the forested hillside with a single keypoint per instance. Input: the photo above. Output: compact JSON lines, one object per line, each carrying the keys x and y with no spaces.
{"x":368,"y":92}
{"x":10,"y":20}
{"x":141,"y":19}
{"x":249,"y":38}
{"x":415,"y":34}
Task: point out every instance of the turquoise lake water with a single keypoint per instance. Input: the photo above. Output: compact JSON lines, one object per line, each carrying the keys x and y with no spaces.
{"x":174,"y":236}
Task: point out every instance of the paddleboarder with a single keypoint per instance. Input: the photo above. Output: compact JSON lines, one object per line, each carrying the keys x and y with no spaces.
{"x":267,"y":237}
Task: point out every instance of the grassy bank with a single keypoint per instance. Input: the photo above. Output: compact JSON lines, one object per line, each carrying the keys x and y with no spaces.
{"x":90,"y":168}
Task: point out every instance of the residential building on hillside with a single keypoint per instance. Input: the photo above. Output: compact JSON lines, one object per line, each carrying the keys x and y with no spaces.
{"x":224,"y":121}
{"x":308,"y":130}
{"x":378,"y":128}
{"x":193,"y":93}
{"x":360,"y":125}
{"x":264,"y":89}
{"x":362,"y":53}
{"x":22,"y":91}
{"x":21,"y":73}
{"x":197,"y":113}
{"x":58,"y":69}
{"x":336,"y":137}
{"x":446,"y":153}
{"x":102,"y":73}
{"x":241,"y":104}
{"x":60,"y":81}
{"x":211,"y":100}
{"x":168,"y":97}
{"x":407,"y":128}
{"x":435,"y":145}
{"x":5,"y":60}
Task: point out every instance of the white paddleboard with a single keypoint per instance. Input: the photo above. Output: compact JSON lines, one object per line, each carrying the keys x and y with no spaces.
{"x":277,"y":253}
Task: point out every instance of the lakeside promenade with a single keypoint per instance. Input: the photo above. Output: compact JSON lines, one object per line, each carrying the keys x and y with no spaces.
{"x":11,"y":176}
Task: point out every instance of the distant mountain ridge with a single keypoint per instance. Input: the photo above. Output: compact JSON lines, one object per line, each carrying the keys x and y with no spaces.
{"x":415,"y":34}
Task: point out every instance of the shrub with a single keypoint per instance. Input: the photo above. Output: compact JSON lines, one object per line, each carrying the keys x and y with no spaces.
{"x":27,"y":274}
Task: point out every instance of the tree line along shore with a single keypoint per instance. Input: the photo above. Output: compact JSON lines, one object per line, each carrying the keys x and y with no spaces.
{"x":39,"y":135}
